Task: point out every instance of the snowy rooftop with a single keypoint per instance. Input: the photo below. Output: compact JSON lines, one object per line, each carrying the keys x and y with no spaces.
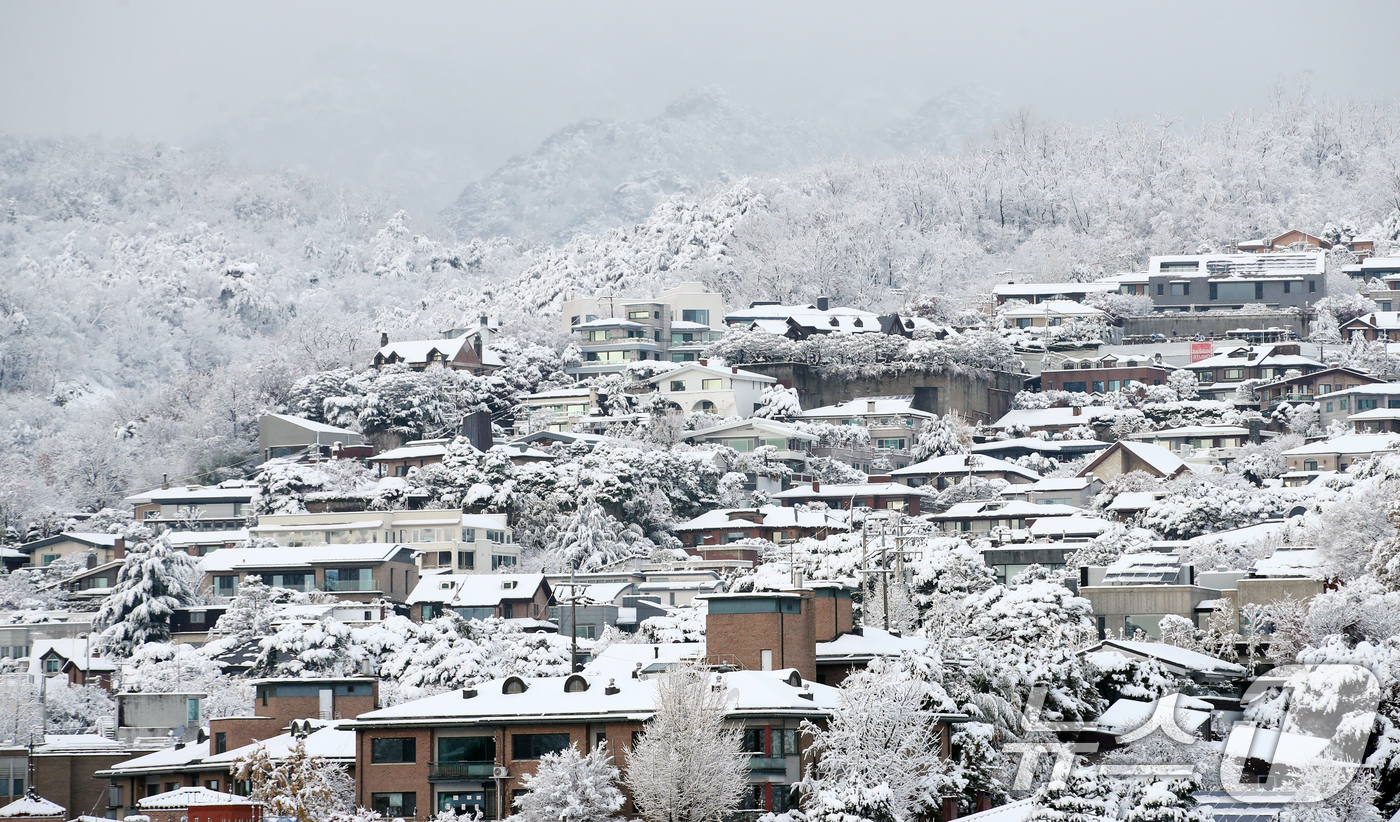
{"x":1374,"y":388}
{"x":475,"y":590}
{"x":1060,"y":416}
{"x":238,"y":559}
{"x":175,"y":495}
{"x":412,"y":452}
{"x":1037,"y":289}
{"x":769,"y":516}
{"x":964,"y":464}
{"x":1288,"y":561}
{"x":1385,"y":320}
{"x":736,"y":373}
{"x":1351,"y":444}
{"x":162,"y":760}
{"x":869,"y":644}
{"x":1143,"y":568}
{"x":1076,"y":525}
{"x":753,"y":423}
{"x":1170,"y":655}
{"x":184,"y":539}
{"x":1001,"y":509}
{"x":1134,"y":500}
{"x":312,"y":425}
{"x":328,"y":742}
{"x":186,"y":797}
{"x":1158,"y":458}
{"x":1051,"y":308}
{"x":878,"y":489}
{"x":1059,"y":484}
{"x":861,"y":406}
{"x":764,"y":693}
{"x":31,"y":805}
{"x":610,"y":322}
{"x":1124,"y":715}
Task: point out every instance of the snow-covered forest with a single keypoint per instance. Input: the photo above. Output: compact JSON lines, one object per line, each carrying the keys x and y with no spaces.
{"x":158,"y":299}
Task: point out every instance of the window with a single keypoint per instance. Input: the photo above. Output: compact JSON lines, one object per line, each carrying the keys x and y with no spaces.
{"x":295,"y":582}
{"x":479,"y":749}
{"x":1159,"y":289}
{"x":1309,"y":465}
{"x":1098,"y":386}
{"x":1312,"y":286}
{"x":584,"y":631}
{"x":1076,"y":386}
{"x":1023,"y":322}
{"x":696,"y":315}
{"x":466,"y":560}
{"x":534,"y":746}
{"x":1329,"y":406}
{"x":1233,"y":374}
{"x":1365,"y":405}
{"x":460,"y":801}
{"x":220,"y":742}
{"x":889,"y":443}
{"x":395,"y":804}
{"x":573,"y":320}
{"x":638,"y":315}
{"x":52,"y":665}
{"x":350,"y":579}
{"x":211,"y":784}
{"x":1287,"y":287}
{"x":1149,"y":624}
{"x":1181,"y":289}
{"x":502,"y":561}
{"x":598,"y":336}
{"x":1113,"y":385}
{"x":392,"y":750}
{"x":711,"y":385}
{"x":677,"y":385}
{"x":1343,"y":404}
{"x":50,"y":559}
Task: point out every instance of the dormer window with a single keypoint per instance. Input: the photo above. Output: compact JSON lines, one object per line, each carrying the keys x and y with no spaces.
{"x":575,"y":684}
{"x":514,"y":685}
{"x":509,"y":585}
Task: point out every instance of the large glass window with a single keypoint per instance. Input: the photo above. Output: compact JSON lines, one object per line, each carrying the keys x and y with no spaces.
{"x":677,"y":385}
{"x":534,"y":746}
{"x":712,"y":385}
{"x":597,"y":336}
{"x":403,"y":804}
{"x":349,"y":579}
{"x":1233,"y":292}
{"x":463,"y":749}
{"x":392,"y":749}
{"x":1181,"y":289}
{"x":296,"y":582}
{"x":226,"y":586}
{"x":696,"y":315}
{"x":1147,"y":623}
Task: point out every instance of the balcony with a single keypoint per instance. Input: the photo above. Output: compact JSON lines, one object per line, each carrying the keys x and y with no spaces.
{"x":459,"y":771}
{"x":768,"y":764}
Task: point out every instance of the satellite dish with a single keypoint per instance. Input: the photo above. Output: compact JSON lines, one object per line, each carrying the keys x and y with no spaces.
{"x":180,"y":732}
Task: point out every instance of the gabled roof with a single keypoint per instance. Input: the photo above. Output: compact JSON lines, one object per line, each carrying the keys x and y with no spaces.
{"x":1076,"y":525}
{"x":1001,"y":509}
{"x":476,"y":590}
{"x":413,"y":451}
{"x":756,"y":423}
{"x":1058,"y":416}
{"x":86,"y":538}
{"x":949,"y":464}
{"x":32,"y":805}
{"x":1382,"y":320}
{"x":186,"y":797}
{"x":1288,"y":561}
{"x":414,"y":351}
{"x":330,"y":741}
{"x":1162,"y":461}
{"x":1179,"y":660}
{"x":1314,"y":376}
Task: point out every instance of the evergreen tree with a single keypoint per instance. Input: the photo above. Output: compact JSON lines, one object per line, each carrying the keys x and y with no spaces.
{"x":1080,"y":797}
{"x":1167,"y":801}
{"x":154,"y":580}
{"x":304,"y":787}
{"x":942,"y":436}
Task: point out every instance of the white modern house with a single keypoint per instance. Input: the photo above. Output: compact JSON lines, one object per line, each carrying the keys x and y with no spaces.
{"x":440,"y":539}
{"x":699,"y":386}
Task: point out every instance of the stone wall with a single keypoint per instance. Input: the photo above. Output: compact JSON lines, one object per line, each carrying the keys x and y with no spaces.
{"x":983,"y":396}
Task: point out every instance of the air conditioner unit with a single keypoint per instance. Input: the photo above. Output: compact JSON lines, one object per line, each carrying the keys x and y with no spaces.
{"x":500,"y":773}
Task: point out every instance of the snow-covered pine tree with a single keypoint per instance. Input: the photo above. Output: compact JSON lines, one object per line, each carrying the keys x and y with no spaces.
{"x":687,"y":766}
{"x":154,"y":580}
{"x":778,"y":402}
{"x":941,"y":436}
{"x":1079,"y":797}
{"x":568,"y":787}
{"x":1167,"y":801}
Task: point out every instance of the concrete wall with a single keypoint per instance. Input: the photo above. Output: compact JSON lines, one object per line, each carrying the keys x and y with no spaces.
{"x":979,"y":397}
{"x":1214,"y":325}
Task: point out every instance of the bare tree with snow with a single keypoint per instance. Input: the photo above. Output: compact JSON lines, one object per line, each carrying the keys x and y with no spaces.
{"x":688,"y":765}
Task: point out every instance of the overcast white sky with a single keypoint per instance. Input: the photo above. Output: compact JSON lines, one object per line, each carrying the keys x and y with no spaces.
{"x":171,"y":69}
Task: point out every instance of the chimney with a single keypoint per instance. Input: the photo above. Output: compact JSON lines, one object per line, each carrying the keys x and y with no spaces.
{"x":823,"y":303}
{"x":165,"y":482}
{"x":485,"y":321}
{"x":734,"y":369}
{"x":383,"y":338}
{"x":870,"y":407}
{"x":1078,"y":411}
{"x":119,"y":548}
{"x":703,"y":362}
{"x":816,"y":486}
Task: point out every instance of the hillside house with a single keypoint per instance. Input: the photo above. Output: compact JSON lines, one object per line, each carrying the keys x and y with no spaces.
{"x":361,"y":572}
{"x":506,"y":596}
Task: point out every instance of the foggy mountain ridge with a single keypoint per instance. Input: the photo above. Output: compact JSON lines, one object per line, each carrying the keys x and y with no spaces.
{"x":597,"y":174}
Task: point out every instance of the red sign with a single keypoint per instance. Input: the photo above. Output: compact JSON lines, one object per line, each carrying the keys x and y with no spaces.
{"x":1201,"y":351}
